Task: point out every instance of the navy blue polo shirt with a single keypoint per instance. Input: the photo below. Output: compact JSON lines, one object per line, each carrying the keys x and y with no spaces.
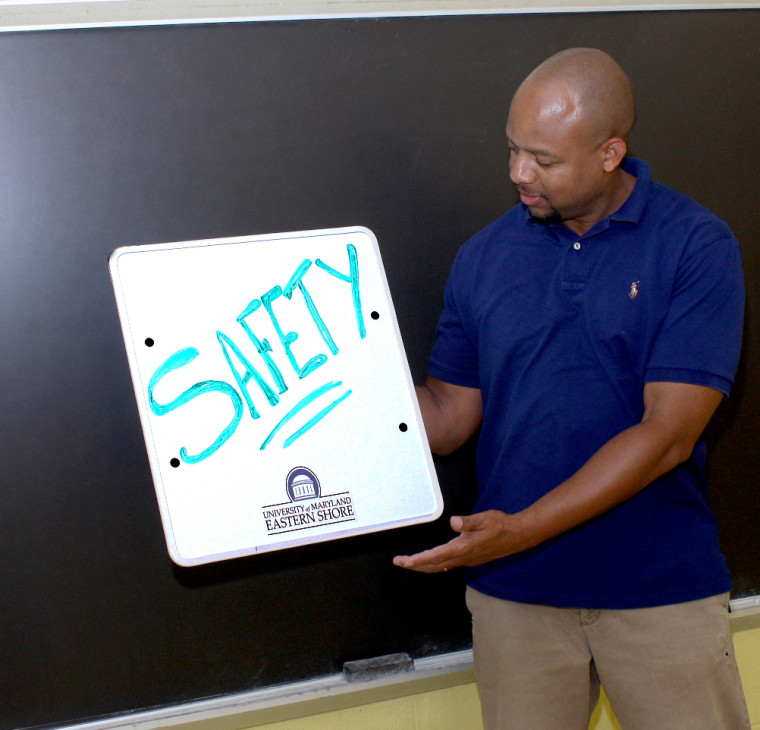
{"x":561,"y":333}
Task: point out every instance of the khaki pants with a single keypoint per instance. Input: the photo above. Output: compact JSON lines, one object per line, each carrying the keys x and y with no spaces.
{"x":665,"y":668}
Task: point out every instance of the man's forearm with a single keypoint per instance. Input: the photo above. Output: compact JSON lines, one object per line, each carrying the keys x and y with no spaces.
{"x":624,"y":466}
{"x":452,"y":414}
{"x":675,"y":416}
{"x":620,"y":469}
{"x":437,"y":430}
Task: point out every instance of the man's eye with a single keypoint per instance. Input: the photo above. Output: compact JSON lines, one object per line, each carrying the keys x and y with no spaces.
{"x":543,"y":163}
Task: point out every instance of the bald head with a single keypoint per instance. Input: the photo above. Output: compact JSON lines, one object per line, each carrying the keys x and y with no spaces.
{"x":567,"y":130}
{"x":584,"y":86}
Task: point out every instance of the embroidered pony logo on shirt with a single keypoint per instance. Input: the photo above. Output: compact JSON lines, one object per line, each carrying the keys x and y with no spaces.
{"x":634,"y":292}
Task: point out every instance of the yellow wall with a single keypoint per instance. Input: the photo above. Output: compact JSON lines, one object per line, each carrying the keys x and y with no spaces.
{"x":457,"y":708}
{"x":747,"y":645}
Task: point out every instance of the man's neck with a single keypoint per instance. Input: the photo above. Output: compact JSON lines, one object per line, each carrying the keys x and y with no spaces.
{"x":619,"y":191}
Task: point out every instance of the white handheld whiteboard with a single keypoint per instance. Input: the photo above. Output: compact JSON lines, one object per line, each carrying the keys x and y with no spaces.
{"x":273,"y":389}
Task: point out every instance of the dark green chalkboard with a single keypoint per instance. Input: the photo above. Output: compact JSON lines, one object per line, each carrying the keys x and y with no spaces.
{"x":128,"y":136}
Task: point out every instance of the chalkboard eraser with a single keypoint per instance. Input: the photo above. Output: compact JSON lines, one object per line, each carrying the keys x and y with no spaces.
{"x":364,"y":670}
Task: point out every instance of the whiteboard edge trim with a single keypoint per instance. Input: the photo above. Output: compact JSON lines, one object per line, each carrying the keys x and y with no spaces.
{"x":147,"y":422}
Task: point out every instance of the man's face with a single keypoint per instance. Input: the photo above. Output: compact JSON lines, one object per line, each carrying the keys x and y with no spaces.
{"x":553,"y":160}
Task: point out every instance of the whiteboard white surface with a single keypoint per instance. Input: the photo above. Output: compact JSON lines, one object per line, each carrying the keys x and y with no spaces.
{"x":273,"y":389}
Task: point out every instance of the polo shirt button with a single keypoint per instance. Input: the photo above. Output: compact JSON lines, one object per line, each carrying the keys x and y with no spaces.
{"x":577,"y":245}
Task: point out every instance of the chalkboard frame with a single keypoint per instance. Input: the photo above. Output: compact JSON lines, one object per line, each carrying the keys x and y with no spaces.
{"x":60,"y":575}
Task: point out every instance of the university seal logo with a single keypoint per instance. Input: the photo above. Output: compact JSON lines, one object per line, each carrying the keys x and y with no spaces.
{"x":302,"y":483}
{"x":308,"y":507}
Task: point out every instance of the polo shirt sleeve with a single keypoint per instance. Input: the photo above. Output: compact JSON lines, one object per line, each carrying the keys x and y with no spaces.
{"x":699,"y":341}
{"x":454,"y":358}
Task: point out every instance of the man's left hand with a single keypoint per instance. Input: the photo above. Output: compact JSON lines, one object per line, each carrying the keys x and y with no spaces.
{"x":482,"y":537}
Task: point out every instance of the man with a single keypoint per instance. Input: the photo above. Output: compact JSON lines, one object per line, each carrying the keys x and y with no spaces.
{"x":590,"y":333}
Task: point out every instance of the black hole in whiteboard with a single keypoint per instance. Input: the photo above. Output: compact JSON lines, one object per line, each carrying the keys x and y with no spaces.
{"x":174,"y":462}
{"x":402,"y":427}
{"x":149,"y":342}
{"x":375,"y":315}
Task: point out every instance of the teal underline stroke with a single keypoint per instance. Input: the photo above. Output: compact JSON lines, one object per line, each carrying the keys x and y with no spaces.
{"x":314,"y":421}
{"x":299,"y":407}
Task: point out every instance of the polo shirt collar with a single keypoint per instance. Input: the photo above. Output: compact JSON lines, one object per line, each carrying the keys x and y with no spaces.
{"x":633,"y":208}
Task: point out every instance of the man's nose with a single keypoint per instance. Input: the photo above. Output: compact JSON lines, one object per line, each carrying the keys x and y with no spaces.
{"x":520,"y":170}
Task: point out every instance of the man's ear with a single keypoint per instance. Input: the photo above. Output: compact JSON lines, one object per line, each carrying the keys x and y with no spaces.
{"x":615,"y":149}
